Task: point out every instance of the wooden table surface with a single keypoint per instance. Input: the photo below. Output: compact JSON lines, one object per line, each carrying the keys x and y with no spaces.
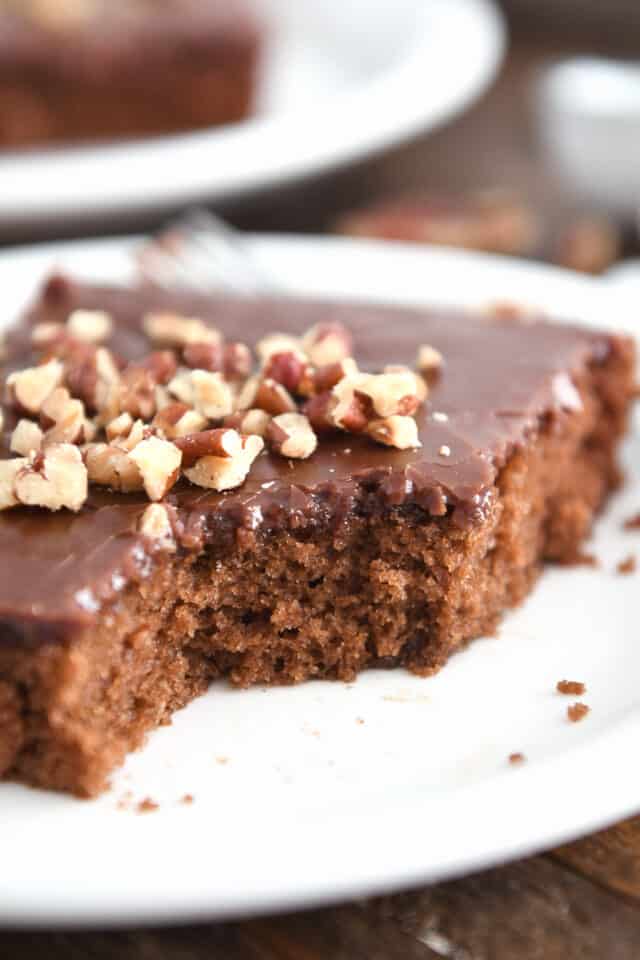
{"x":580,"y":902}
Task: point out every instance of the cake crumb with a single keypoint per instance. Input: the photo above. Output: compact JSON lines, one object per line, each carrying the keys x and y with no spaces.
{"x":577,"y":712}
{"x":633,"y":523}
{"x":187,"y":799}
{"x":571,"y":687}
{"x":147,"y":806}
{"x":222,"y":761}
{"x":628,"y":565}
{"x":516,"y":758}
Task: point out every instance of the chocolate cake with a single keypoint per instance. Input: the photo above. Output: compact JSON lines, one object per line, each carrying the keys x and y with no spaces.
{"x":88,"y":69}
{"x":370,"y":502}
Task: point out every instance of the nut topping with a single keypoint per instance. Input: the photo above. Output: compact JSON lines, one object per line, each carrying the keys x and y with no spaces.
{"x":207,"y":419}
{"x":226,"y":473}
{"x":159,"y":464}
{"x":29,"y":388}
{"x":155,"y":523}
{"x":177,"y":331}
{"x":395,"y":431}
{"x":26,"y":438}
{"x":53,"y":479}
{"x":429,"y":360}
{"x":327,"y":343}
{"x":9,"y":470}
{"x":109,"y":466}
{"x":291,"y":435}
{"x":249,"y":421}
{"x":224,"y":442}
{"x":92,"y":326}
{"x":278,"y":343}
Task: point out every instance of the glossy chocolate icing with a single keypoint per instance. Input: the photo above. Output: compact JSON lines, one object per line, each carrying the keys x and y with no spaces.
{"x":499,"y":378}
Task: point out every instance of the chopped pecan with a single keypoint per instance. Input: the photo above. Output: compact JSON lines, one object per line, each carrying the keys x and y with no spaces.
{"x":161,"y":364}
{"x":223,"y":442}
{"x":43,"y":334}
{"x":155,"y":523}
{"x":273,"y":398}
{"x":249,"y":421}
{"x":138,"y":392}
{"x":429,"y":361}
{"x":226,"y":473}
{"x":127,"y":441}
{"x":327,"y":376}
{"x":395,"y":431}
{"x":159,"y":464}
{"x":291,"y":435}
{"x":421,"y":388}
{"x":327,"y":343}
{"x":64,"y":418}
{"x":179,"y":420}
{"x":54,"y":478}
{"x":28,"y":389}
{"x":110,"y":466}
{"x":26,"y":438}
{"x":236,"y":361}
{"x":318,"y":411}
{"x":119,"y":427}
{"x":204,"y":355}
{"x":278,"y":343}
{"x":207,"y":392}
{"x":91,"y":326}
{"x":289,"y":369}
{"x":9,"y":470}
{"x":178,"y":331}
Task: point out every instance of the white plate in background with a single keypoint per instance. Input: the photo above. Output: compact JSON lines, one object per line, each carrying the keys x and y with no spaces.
{"x":340,"y":81}
{"x":297,"y":802}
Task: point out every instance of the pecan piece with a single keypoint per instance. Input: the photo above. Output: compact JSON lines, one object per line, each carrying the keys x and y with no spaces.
{"x":289,"y":369}
{"x":278,"y":343}
{"x":395,"y":431}
{"x":224,"y":442}
{"x":155,"y":523}
{"x":90,"y":326}
{"x":178,"y":331}
{"x":9,"y":470}
{"x":291,"y":435}
{"x":64,"y":418}
{"x":249,"y":421}
{"x":273,"y":398}
{"x":28,"y":389}
{"x":26,"y":438}
{"x":178,"y":420}
{"x":327,"y":343}
{"x":110,"y":466}
{"x":226,"y":473}
{"x":429,"y":361}
{"x":159,"y":464}
{"x":54,"y":479}
{"x":203,"y":356}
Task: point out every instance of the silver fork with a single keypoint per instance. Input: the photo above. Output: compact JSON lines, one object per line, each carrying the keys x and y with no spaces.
{"x":201,"y":252}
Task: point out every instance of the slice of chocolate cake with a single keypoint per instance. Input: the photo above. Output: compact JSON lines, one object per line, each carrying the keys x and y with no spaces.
{"x":92,"y":69}
{"x":271,"y":491}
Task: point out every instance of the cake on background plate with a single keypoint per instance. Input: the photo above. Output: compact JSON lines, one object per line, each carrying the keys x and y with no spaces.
{"x":269,"y":491}
{"x":93,"y":69}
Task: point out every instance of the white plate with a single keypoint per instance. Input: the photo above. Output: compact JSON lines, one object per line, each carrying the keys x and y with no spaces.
{"x":311,"y":804}
{"x":341,"y":81}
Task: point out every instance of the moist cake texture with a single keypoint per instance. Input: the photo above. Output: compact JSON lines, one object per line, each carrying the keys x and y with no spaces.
{"x":90,"y":69}
{"x":359,"y":556}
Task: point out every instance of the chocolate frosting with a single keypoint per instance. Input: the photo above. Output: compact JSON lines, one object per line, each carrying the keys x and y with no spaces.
{"x":499,"y":378}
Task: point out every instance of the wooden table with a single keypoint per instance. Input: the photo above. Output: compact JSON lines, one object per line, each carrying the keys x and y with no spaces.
{"x":581,"y":902}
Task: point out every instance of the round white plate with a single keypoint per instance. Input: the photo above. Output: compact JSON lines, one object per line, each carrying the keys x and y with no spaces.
{"x":326,"y":790}
{"x":341,"y":80}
